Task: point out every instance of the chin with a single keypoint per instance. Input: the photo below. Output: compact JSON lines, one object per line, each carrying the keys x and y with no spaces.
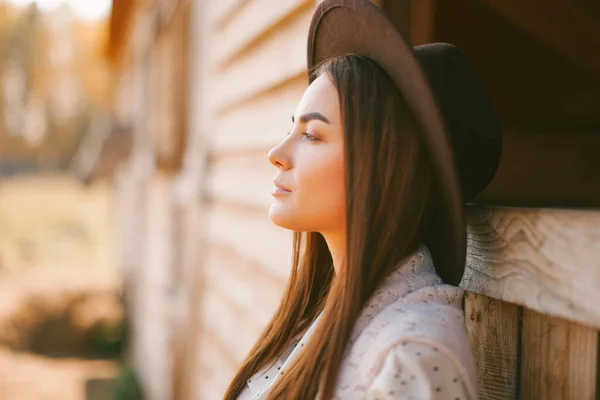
{"x":278,"y":216}
{"x":282,"y":217}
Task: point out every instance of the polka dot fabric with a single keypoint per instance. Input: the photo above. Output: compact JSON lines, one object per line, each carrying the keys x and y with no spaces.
{"x":417,"y":371}
{"x":409,"y":342}
{"x":262,"y":381}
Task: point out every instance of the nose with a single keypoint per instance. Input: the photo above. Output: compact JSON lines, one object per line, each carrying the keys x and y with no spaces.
{"x":279,"y":158}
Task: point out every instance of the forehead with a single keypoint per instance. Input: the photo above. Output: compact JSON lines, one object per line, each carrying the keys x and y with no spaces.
{"x":320,"y":96}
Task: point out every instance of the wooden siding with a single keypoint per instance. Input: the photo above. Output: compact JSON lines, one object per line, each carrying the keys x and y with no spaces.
{"x":237,"y":129}
{"x":255,"y":66}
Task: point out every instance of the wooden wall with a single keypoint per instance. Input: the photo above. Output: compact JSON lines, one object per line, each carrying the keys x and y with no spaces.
{"x":533,"y":325}
{"x":523,"y":354}
{"x":255,"y":65}
{"x":531,"y":305}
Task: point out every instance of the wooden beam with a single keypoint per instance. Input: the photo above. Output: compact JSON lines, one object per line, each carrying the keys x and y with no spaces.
{"x":558,"y":359}
{"x":494,"y":332}
{"x":562,"y":25}
{"x":547,"y":260}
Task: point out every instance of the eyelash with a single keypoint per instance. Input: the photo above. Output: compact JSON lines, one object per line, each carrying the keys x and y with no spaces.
{"x":308,"y":136}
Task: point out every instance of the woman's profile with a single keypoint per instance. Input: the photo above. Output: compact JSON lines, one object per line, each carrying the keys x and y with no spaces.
{"x":387,"y":144}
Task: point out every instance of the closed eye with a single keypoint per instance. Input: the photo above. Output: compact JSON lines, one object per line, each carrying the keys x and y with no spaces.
{"x":309,"y":137}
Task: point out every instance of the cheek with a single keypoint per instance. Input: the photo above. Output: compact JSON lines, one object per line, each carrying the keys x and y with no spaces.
{"x":317,"y":203}
{"x":321,"y":194}
{"x":322,"y":178}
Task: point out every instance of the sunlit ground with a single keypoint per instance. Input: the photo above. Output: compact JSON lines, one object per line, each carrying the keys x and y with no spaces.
{"x":58,"y":287}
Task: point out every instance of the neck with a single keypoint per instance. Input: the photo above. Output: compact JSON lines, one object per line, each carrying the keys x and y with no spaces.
{"x":336,"y":242}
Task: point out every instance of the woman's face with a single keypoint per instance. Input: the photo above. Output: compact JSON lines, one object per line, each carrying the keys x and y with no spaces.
{"x":309,"y":191}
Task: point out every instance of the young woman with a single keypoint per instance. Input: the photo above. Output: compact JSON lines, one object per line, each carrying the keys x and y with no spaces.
{"x":387,"y":144}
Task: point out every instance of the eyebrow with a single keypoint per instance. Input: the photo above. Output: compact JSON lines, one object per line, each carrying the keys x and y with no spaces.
{"x":304,"y":118}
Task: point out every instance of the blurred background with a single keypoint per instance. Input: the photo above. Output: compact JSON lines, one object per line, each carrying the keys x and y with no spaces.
{"x":135,"y":252}
{"x":61,"y":312}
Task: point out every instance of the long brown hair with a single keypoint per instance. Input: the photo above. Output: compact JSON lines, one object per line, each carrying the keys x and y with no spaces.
{"x":388,"y":196}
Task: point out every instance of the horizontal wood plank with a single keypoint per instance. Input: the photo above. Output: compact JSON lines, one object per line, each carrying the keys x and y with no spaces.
{"x":279,"y":58}
{"x":245,"y":179}
{"x":216,"y":368}
{"x":252,"y":23}
{"x":252,"y":290}
{"x":547,"y":260}
{"x":260,"y":123}
{"x":252,"y":235}
{"x":229,"y":323}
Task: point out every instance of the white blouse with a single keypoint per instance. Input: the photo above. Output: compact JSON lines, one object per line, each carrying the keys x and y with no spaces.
{"x":396,"y":341}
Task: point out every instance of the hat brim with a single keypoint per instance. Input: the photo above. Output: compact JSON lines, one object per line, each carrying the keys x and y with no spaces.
{"x":342,"y":27}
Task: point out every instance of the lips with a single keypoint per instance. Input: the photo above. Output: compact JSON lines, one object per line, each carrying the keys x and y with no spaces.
{"x":279,"y":189}
{"x":280,"y":186}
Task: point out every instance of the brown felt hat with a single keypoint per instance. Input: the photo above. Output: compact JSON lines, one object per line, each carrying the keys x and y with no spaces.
{"x":456,"y":119}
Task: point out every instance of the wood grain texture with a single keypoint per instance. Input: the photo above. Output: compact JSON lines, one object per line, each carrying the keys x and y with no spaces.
{"x":547,"y":260}
{"x":559,"y":359}
{"x":494,"y":329}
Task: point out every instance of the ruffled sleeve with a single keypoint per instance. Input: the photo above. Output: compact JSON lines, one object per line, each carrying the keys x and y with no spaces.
{"x":414,"y":370}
